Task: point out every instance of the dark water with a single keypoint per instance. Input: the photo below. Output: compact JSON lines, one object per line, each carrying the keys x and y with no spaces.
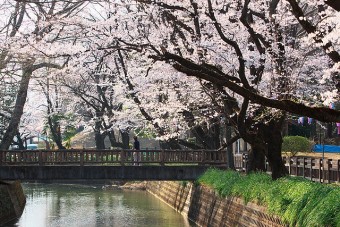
{"x":83,"y":205}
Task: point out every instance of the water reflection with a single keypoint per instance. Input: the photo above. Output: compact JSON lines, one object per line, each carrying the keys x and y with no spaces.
{"x":79,"y":205}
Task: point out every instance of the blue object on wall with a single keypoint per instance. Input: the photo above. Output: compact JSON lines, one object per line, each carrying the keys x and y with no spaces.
{"x":326,"y":148}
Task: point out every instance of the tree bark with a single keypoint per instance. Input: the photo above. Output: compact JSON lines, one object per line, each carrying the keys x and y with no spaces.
{"x":335,"y":4}
{"x":56,"y":134}
{"x":273,"y":136}
{"x":230,"y":153}
{"x":275,"y":159}
{"x":171,"y":144}
{"x":207,"y":139}
{"x":100,"y":145}
{"x":20,"y":142}
{"x":47,"y":145}
{"x":266,"y":141}
{"x":113,"y":140}
{"x":329,"y":130}
{"x":18,"y":109}
{"x":125,"y":139}
{"x":201,"y":71}
{"x":256,"y":158}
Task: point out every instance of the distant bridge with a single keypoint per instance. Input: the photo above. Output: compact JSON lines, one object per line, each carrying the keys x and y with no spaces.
{"x":78,"y":164}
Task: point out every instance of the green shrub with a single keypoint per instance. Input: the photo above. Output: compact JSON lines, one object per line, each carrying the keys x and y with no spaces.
{"x":296,"y":144}
{"x":297,"y":201}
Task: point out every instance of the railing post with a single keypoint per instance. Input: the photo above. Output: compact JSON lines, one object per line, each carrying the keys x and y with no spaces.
{"x":40,"y":158}
{"x":203,"y":157}
{"x":244,"y":164}
{"x":122,"y":157}
{"x":329,"y":163}
{"x":296,"y":166}
{"x":338,"y":172}
{"x":320,"y":167}
{"x":162,"y":158}
{"x":311,"y":168}
{"x":303,"y":167}
{"x":81,"y":152}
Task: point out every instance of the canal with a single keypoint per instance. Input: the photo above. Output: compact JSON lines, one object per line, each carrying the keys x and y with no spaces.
{"x":90,"y":205}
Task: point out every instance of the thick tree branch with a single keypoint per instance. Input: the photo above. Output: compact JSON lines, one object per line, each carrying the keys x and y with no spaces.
{"x":233,"y":44}
{"x":193,"y":69}
{"x":229,"y":142}
{"x":164,"y":5}
{"x":310,"y":29}
{"x":335,"y":4}
{"x":146,"y":115}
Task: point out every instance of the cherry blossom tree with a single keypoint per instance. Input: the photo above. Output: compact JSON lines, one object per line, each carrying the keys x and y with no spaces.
{"x":98,"y":92}
{"x":22,"y":28}
{"x":152,"y":90}
{"x":247,"y":63}
{"x":253,"y":40}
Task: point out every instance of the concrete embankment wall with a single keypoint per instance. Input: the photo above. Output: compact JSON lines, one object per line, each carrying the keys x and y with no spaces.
{"x":204,"y":207}
{"x":12,"y":201}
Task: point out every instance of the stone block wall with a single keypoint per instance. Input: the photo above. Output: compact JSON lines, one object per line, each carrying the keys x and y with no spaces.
{"x":12,"y":201}
{"x":204,"y":207}
{"x":175,"y":194}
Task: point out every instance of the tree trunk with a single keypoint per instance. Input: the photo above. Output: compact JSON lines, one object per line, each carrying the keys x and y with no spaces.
{"x":100,"y":145}
{"x":125,"y":139}
{"x":113,"y":140}
{"x":230,"y":152}
{"x":18,"y":110}
{"x":329,"y":130}
{"x":256,"y":158}
{"x":267,"y":142}
{"x":171,"y":144}
{"x":206,"y":137}
{"x":215,"y":134}
{"x":20,"y":142}
{"x":99,"y":138}
{"x":56,"y":134}
{"x":274,"y":155}
{"x":47,"y":145}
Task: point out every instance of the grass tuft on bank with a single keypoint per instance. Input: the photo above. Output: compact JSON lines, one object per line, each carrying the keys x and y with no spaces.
{"x":299,"y":202}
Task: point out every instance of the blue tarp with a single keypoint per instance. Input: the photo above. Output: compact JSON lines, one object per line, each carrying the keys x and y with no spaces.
{"x":326,"y":148}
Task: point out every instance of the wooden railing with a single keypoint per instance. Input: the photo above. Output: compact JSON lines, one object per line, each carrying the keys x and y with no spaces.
{"x":111,"y":157}
{"x":315,"y":169}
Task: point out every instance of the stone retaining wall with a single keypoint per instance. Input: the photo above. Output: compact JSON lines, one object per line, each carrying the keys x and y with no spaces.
{"x":204,"y":207}
{"x":12,"y":201}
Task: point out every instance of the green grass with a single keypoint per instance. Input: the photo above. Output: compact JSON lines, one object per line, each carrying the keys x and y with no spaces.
{"x":297,"y":201}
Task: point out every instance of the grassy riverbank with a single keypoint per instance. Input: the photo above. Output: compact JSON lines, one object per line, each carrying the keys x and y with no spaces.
{"x":297,"y":201}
